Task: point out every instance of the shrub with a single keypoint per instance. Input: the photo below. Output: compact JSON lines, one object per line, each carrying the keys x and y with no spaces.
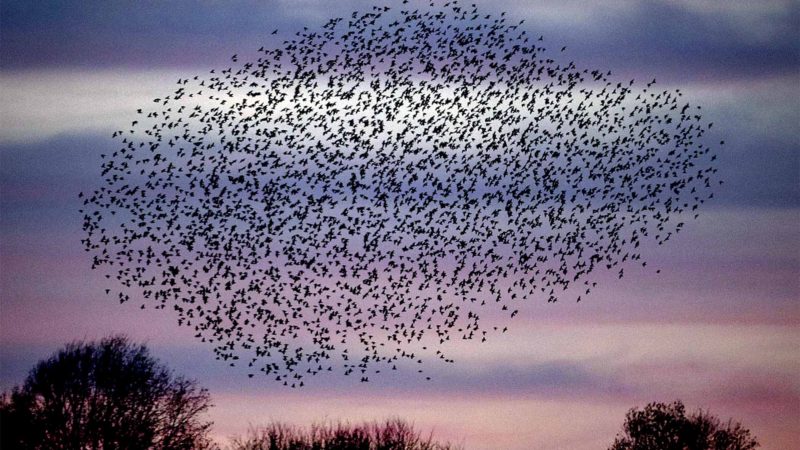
{"x":661,"y":426}
{"x":393,"y":434}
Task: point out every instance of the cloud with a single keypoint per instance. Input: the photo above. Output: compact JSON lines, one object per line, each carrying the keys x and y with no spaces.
{"x":541,"y":361}
{"x":673,"y":39}
{"x":677,"y":38}
{"x":45,"y":110}
{"x":40,"y":105}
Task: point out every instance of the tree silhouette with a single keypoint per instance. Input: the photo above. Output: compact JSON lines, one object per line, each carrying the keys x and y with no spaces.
{"x":104,"y":395}
{"x":392,"y":434}
{"x":661,"y":426}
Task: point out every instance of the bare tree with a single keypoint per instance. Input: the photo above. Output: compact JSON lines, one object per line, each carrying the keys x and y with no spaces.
{"x":392,"y":434}
{"x":664,"y":426}
{"x":104,"y":395}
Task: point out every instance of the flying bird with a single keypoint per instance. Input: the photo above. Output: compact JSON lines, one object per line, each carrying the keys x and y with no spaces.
{"x":384,"y":181}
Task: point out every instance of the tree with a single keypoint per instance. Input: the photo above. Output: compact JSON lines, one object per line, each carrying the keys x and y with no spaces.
{"x":661,"y":426}
{"x":104,"y":395}
{"x":393,"y":434}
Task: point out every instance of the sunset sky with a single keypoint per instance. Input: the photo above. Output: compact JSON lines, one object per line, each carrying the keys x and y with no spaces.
{"x":718,"y":327}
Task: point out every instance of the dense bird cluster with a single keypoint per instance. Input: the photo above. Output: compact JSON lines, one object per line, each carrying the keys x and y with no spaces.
{"x":382,"y":182}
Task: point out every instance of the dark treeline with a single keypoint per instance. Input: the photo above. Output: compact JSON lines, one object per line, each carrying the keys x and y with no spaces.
{"x":393,"y":434}
{"x":113,"y":394}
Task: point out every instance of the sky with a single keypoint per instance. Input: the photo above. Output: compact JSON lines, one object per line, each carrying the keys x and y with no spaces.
{"x":718,"y":327}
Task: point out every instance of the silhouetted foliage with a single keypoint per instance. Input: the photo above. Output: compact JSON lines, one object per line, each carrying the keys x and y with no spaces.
{"x":661,"y":426}
{"x":393,"y":434}
{"x":104,"y":395}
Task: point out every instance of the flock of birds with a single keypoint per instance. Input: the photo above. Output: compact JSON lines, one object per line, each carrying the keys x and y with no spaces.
{"x":382,"y":182}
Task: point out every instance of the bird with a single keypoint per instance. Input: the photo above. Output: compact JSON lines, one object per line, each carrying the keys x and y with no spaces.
{"x":384,"y":181}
